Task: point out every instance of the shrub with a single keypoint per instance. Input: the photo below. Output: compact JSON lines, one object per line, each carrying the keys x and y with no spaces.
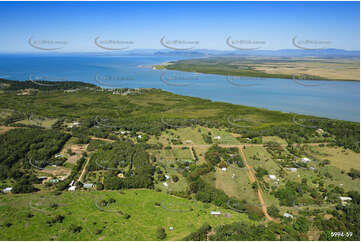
{"x":161,"y":233}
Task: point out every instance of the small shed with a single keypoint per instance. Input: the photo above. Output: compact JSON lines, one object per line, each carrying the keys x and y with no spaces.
{"x":224,"y":169}
{"x":305,"y":160}
{"x":344,"y":200}
{"x":272,"y":177}
{"x":88,"y":185}
{"x":7,"y":190}
{"x":217,"y":137}
{"x":287,"y":215}
{"x":215,"y":213}
{"x":292,"y":169}
{"x":165,"y":184}
{"x":72,"y":188}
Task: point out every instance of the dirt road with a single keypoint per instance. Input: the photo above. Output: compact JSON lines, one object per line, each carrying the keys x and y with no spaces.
{"x":253,"y":179}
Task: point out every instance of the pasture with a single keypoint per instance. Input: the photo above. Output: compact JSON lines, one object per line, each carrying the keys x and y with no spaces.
{"x":86,"y":219}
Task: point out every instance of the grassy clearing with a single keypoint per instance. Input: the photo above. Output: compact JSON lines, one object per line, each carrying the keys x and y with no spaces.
{"x":226,"y":137}
{"x":237,"y":185}
{"x":46,"y":123}
{"x":339,"y":157}
{"x":277,"y":139}
{"x":79,"y":209}
{"x":191,"y":133}
{"x":257,"y":156}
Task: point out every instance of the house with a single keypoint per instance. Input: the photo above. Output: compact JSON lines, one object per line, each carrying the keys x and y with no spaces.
{"x":217,"y":137}
{"x":320,"y":131}
{"x":215,"y":213}
{"x":166,"y":177}
{"x":122,"y":132}
{"x":292,"y":169}
{"x":59,"y":155}
{"x":139,"y":136}
{"x":72,"y":188}
{"x":305,"y":160}
{"x":344,"y":200}
{"x":74,"y":124}
{"x":165,"y":184}
{"x":188,"y":141}
{"x":272,"y":177}
{"x":287,"y":215}
{"x":224,"y":169}
{"x":171,"y":228}
{"x":88,"y":185}
{"x":7,"y":190}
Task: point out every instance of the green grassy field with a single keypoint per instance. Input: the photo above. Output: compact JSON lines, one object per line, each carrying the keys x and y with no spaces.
{"x":79,"y":209}
{"x":277,"y":139}
{"x":257,"y":156}
{"x":47,"y":123}
{"x":339,"y":157}
{"x":237,"y":185}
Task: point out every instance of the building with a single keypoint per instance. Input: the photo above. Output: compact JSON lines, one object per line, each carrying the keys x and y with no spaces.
{"x":74,"y":124}
{"x":224,"y":169}
{"x":287,"y":215}
{"x":188,"y":141}
{"x":344,"y":200}
{"x":72,"y":188}
{"x":165,"y":184}
{"x":215,"y":213}
{"x":305,"y":160}
{"x":166,"y":177}
{"x":292,"y":169}
{"x":59,"y":155}
{"x":139,"y":136}
{"x":272,"y":177}
{"x":7,"y":190}
{"x":88,"y":185}
{"x":217,"y":137}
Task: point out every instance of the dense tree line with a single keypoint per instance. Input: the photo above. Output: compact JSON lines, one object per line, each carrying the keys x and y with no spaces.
{"x":44,"y":85}
{"x":18,"y":146}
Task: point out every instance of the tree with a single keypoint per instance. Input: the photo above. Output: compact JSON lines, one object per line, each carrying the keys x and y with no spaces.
{"x":161,"y":233}
{"x":175,"y":178}
{"x":273,"y":211}
{"x":99,"y":186}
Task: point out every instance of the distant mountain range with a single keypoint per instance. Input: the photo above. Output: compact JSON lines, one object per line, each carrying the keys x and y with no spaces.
{"x":287,"y":53}
{"x":324,"y":53}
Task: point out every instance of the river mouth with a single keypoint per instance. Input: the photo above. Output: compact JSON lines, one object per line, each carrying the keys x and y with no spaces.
{"x":330,"y":99}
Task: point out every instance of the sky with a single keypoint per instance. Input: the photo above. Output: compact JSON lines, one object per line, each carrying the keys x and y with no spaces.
{"x":74,"y":26}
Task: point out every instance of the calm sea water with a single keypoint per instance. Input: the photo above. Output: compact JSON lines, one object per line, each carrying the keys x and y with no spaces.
{"x":332,"y":99}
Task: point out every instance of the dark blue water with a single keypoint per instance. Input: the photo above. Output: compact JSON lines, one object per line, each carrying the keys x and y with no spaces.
{"x":332,"y":99}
